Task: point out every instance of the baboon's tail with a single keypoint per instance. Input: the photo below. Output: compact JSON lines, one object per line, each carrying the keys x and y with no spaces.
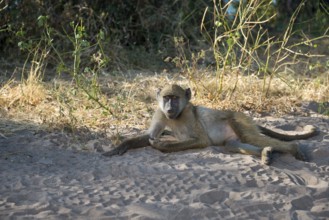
{"x":308,"y":132}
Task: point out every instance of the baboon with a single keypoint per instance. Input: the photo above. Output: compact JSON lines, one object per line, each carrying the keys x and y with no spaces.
{"x":199,"y":127}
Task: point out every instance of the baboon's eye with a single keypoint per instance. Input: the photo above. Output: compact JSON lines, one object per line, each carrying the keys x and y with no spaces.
{"x":174,"y":97}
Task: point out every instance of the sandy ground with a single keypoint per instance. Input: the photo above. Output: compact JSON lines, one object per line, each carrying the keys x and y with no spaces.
{"x":43,"y":176}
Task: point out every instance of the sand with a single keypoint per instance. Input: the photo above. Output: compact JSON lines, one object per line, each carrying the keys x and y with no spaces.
{"x":44,"y":176}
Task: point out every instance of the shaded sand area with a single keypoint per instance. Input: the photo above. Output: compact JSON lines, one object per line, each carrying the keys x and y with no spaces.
{"x":42,"y":176}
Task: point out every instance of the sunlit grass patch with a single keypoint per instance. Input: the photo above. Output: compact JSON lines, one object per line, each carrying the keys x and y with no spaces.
{"x":61,"y":105}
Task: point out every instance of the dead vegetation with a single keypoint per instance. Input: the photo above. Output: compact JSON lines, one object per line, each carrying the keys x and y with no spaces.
{"x":106,"y":88}
{"x":59,"y":104}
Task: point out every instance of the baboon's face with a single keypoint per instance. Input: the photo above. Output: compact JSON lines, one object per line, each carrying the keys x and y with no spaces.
{"x":171,"y":106}
{"x":172,"y":100}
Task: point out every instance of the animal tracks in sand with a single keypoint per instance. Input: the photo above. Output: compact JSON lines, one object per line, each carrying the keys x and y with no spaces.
{"x":39,"y":179}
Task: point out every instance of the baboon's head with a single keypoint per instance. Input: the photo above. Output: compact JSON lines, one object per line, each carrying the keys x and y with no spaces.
{"x":172,"y":100}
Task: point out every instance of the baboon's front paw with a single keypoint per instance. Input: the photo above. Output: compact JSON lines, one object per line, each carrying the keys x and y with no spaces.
{"x":266,"y":156}
{"x":116,"y":151}
{"x":110,"y":153}
{"x":159,"y":145}
{"x":154,"y":141}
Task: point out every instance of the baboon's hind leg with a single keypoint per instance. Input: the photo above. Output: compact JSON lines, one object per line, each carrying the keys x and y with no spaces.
{"x":249,"y":133}
{"x":237,"y":147}
{"x":276,"y":145}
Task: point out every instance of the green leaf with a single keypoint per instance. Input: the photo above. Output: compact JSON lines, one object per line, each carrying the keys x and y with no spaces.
{"x":101,"y":35}
{"x":85,"y":43}
{"x":218,"y":23}
{"x":230,"y":42}
{"x":42,"y":20}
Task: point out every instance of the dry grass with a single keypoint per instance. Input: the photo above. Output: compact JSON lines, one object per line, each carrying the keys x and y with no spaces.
{"x":58,"y":104}
{"x":27,"y":93}
{"x":253,"y":72}
{"x":248,"y":92}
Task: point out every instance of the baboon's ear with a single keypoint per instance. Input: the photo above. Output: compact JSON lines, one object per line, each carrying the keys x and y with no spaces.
{"x":188,"y":94}
{"x":158,"y":93}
